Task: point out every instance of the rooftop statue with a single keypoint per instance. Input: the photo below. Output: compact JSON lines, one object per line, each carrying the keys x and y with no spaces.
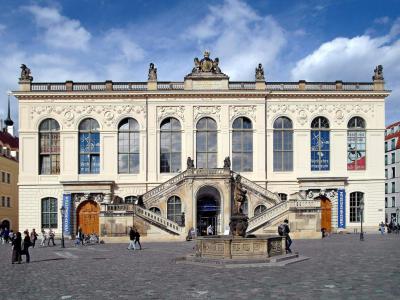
{"x":260,"y":72}
{"x":25,"y":73}
{"x":152,"y":72}
{"x":190,"y":163}
{"x":227,"y":163}
{"x":378,"y":73}
{"x":206,"y":65}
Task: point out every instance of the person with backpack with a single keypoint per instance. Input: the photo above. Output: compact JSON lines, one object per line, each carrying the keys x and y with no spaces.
{"x":51,"y":238}
{"x":132,"y":236}
{"x":34,"y":237}
{"x":283,"y":230}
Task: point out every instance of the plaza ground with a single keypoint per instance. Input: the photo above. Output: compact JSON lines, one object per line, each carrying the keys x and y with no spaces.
{"x":341,"y":267}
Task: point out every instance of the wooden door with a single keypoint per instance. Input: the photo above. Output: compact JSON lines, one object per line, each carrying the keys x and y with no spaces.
{"x":88,"y":217}
{"x":326,"y":214}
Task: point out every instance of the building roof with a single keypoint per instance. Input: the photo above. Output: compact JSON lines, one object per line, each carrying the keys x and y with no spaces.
{"x":393,"y":125}
{"x":8,"y":139}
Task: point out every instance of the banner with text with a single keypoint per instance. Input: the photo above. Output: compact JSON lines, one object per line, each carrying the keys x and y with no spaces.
{"x":341,"y":208}
{"x":67,"y":202}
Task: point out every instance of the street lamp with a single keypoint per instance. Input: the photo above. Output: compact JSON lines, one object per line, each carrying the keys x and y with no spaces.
{"x":62,"y":210}
{"x":362,"y":216}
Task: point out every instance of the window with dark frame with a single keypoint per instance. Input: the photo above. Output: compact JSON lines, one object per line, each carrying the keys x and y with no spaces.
{"x":170,"y":146}
{"x":89,"y":147}
{"x":242,"y":145}
{"x":206,"y":143}
{"x":320,"y":144}
{"x":49,"y":212}
{"x":259,"y":209}
{"x":174,"y":209}
{"x":355,"y":209}
{"x":283,"y":144}
{"x":128,"y":146}
{"x":49,"y":147}
{"x":356,"y":144}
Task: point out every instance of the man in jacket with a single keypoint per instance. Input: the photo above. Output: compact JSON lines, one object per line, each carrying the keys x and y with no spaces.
{"x":284,"y":230}
{"x":132,"y":235}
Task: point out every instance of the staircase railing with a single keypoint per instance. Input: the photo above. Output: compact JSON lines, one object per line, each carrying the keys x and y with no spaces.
{"x":275,"y":211}
{"x":156,"y":219}
{"x":259,"y":190}
{"x":162,"y":187}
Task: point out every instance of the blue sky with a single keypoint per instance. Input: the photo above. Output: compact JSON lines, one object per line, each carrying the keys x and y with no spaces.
{"x":90,"y":40}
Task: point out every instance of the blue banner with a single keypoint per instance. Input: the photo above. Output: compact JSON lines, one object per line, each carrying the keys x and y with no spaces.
{"x":341,"y":208}
{"x":67,"y":203}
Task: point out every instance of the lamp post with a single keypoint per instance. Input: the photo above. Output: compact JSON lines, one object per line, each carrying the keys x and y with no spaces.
{"x":62,"y":210}
{"x":362,"y":217}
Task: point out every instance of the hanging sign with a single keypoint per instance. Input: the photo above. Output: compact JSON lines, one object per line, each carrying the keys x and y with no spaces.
{"x":341,"y":208}
{"x":67,"y":202}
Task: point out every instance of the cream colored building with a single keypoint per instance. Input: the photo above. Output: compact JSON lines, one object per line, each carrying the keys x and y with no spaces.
{"x":307,"y":151}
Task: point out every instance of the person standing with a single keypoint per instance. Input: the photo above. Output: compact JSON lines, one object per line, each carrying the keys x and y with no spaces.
{"x":137,"y":239}
{"x":16,"y":253}
{"x":51,"y":237}
{"x":80,"y":235}
{"x":132,"y":236}
{"x":284,"y":230}
{"x":43,"y":237}
{"x":27,"y":244}
{"x":34,"y":236}
{"x":6,"y":234}
{"x":210,"y":230}
{"x":382,"y":228}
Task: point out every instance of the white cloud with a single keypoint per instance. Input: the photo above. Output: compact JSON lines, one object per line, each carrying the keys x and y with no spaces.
{"x":240,"y":37}
{"x":354,"y":59}
{"x":382,"y":20}
{"x":122,"y":41}
{"x":60,"y":31}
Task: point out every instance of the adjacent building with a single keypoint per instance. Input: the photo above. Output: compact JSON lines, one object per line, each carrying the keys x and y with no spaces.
{"x":165,"y":156}
{"x":9,"y":155}
{"x":392,"y":174}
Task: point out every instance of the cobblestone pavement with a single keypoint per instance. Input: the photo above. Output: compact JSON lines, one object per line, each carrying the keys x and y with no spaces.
{"x":341,"y":267}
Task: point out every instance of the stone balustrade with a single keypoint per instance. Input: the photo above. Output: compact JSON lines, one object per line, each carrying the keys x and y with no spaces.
{"x":158,"y":220}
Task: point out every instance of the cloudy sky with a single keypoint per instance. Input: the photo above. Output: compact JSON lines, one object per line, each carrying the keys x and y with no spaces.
{"x":86,"y":40}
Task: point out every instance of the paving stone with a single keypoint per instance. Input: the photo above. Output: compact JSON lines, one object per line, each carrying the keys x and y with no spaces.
{"x":340,"y":267}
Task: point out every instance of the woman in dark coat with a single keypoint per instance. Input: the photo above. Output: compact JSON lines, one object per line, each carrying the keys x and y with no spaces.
{"x":27,"y":244}
{"x":16,"y":253}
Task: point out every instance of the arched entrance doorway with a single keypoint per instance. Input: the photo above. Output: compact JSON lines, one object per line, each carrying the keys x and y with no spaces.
{"x":5,"y":224}
{"x":87,"y":216}
{"x":326,"y":214}
{"x":208,"y":209}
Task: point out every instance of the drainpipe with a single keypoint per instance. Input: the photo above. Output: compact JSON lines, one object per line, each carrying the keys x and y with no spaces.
{"x":147,"y":143}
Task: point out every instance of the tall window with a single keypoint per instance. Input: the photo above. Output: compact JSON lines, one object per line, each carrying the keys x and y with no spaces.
{"x":356,"y":144}
{"x":320,"y":144}
{"x":393,"y":172}
{"x":206,"y":143}
{"x":386,"y":202}
{"x":49,"y":147}
{"x":386,"y":146}
{"x":393,"y":158}
{"x":283,"y":144}
{"x":128,"y":146}
{"x":170,"y":152}
{"x":259,"y":209}
{"x":393,"y":144}
{"x":89,"y":147}
{"x":386,"y":173}
{"x":355,"y":210}
{"x":393,"y":187}
{"x":242,"y":145}
{"x":393,"y":201}
{"x":49,"y":213}
{"x":386,"y":188}
{"x":174,"y":209}
{"x":386,"y":160}
{"x":282,"y":196}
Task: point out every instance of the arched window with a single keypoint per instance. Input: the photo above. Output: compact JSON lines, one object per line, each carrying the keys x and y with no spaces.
{"x":49,"y":212}
{"x":282,"y":196}
{"x":128,"y":146}
{"x":320,"y":144}
{"x":206,"y":143}
{"x":155,"y":210}
{"x":259,"y":209}
{"x":242,"y":145}
{"x":245,"y":207}
{"x":131,"y":199}
{"x":283,"y":144}
{"x":355,"y":208}
{"x":356,"y":144}
{"x":49,"y":147}
{"x":89,"y":147}
{"x":174,"y":209}
{"x":170,"y":152}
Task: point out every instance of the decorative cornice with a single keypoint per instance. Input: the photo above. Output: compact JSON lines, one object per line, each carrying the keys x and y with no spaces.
{"x":203,"y":111}
{"x":242,"y":110}
{"x":170,"y":111}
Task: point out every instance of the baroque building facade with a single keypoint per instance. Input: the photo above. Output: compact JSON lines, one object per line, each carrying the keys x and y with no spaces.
{"x":163,"y":156}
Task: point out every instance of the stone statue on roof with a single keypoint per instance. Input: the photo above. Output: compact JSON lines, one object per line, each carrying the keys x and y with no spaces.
{"x":25,"y":73}
{"x":260,"y":72}
{"x":152,"y":73}
{"x":378,"y":73}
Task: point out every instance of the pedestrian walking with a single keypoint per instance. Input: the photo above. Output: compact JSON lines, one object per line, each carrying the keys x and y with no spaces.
{"x":11,"y":236}
{"x":81,"y":235}
{"x":210,"y":230}
{"x":382,"y":228}
{"x":51,"y":238}
{"x":34,"y":237}
{"x":16,"y":246}
{"x":27,"y":243}
{"x":43,"y":237}
{"x":137,"y":239}
{"x":132,"y":236}
{"x":284,"y":230}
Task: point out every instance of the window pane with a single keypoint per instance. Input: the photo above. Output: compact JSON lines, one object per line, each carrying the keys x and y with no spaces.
{"x":277,"y":161}
{"x":123,"y":163}
{"x":134,"y":163}
{"x":247,"y":162}
{"x":165,"y":142}
{"x":236,"y":161}
{"x":236,"y":141}
{"x":212,"y":160}
{"x":287,"y":140}
{"x":288,"y":161}
{"x":176,"y":162}
{"x":95,"y":164}
{"x":201,"y":141}
{"x":247,"y":141}
{"x":176,"y":142}
{"x":201,"y":160}
{"x":212,"y":141}
{"x":277,"y":140}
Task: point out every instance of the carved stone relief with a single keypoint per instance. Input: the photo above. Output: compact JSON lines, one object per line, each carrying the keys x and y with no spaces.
{"x":204,"y":111}
{"x":170,"y":111}
{"x":242,"y":110}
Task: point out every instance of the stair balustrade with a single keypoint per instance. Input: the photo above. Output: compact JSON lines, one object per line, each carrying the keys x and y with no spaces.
{"x":158,"y":220}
